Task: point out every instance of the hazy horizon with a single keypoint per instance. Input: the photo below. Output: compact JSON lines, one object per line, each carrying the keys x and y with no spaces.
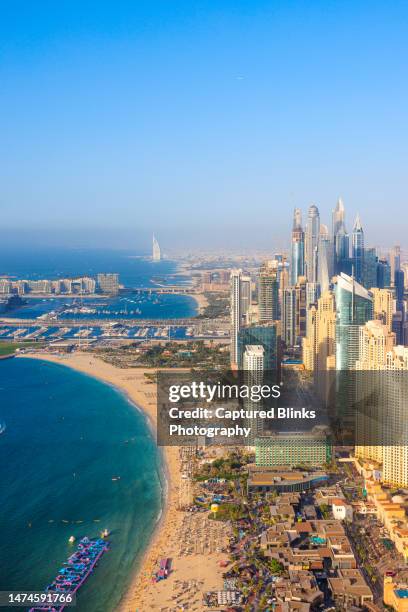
{"x":204,"y":124}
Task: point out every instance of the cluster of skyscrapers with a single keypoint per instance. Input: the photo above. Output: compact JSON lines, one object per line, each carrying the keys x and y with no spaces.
{"x":332,"y":305}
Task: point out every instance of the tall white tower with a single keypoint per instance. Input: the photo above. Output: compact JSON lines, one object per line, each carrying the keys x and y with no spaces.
{"x":156,"y":252}
{"x":240,"y":303}
{"x":312,"y":243}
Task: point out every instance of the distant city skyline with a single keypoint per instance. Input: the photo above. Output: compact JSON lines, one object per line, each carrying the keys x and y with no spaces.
{"x":205,"y":124}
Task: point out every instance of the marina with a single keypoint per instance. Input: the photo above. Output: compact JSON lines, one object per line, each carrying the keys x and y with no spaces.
{"x":109,"y":331}
{"x":128,"y":304}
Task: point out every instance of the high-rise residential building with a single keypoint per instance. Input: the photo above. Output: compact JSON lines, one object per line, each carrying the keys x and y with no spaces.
{"x":283,"y":273}
{"x":253,"y":360}
{"x":5,"y":286}
{"x":45,"y":286}
{"x":265,"y":335}
{"x":297,"y":263}
{"x":381,"y":424}
{"x":354,"y":307}
{"x":309,"y":342}
{"x":395,"y":262}
{"x":383,"y":305}
{"x":108,"y":283}
{"x":338,"y":217}
{"x":404,"y":267}
{"x":289,"y":308}
{"x":312,"y":243}
{"x":341,"y":240}
{"x":395,"y":453}
{"x":293,"y":448}
{"x":369,"y":268}
{"x":319,"y":346}
{"x":375,"y":342}
{"x":312,"y":294}
{"x":268,"y":295}
{"x":383,"y":274}
{"x":325,"y":269}
{"x":253,"y":367}
{"x":294,"y":313}
{"x":398,"y":321}
{"x":156,"y":251}
{"x":240,"y":304}
{"x":357,"y":247}
{"x":399,"y":284}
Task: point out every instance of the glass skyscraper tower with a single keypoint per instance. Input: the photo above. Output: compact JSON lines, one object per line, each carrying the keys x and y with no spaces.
{"x":358,"y":249}
{"x":298,"y":248}
{"x":311,"y":243}
{"x":341,"y":242}
{"x":354,"y":307}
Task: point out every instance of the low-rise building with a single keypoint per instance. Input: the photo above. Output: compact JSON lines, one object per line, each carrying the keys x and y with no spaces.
{"x":350,"y":589}
{"x":341,"y":510}
{"x":395,"y":595}
{"x":299,"y":587}
{"x":283,"y":479}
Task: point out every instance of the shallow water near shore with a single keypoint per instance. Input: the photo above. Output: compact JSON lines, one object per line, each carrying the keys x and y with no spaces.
{"x":67,"y":436}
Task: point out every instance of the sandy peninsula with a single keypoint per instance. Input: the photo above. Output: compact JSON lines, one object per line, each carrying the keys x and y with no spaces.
{"x":193,"y":542}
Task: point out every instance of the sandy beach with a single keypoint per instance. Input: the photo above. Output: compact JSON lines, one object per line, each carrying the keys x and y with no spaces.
{"x":201,"y":300}
{"x":192,"y":541}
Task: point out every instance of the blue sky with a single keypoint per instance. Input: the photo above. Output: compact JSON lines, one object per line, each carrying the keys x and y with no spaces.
{"x":206,"y":122}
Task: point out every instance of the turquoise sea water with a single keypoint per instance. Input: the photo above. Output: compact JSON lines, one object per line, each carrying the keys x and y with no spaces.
{"x":67,"y":435}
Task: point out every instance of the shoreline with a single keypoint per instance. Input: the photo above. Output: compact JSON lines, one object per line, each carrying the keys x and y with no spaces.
{"x":192,"y":541}
{"x":200,"y":300}
{"x":119,"y":380}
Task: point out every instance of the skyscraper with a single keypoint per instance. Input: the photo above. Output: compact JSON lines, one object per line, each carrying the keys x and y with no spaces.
{"x":383,"y":306}
{"x":341,"y":241}
{"x":313,"y":293}
{"x":240,"y":303}
{"x":311,"y":243}
{"x":268,"y":295}
{"x":395,"y":262}
{"x":342,"y":261}
{"x":253,"y":367}
{"x":381,"y":424}
{"x":399,"y":283}
{"x":325,"y":259}
{"x":156,"y":252}
{"x":357,"y":246}
{"x":354,"y":307}
{"x":369,"y":268}
{"x":383,"y":274}
{"x":289,"y":307}
{"x":297,"y":248}
{"x":319,"y":346}
{"x":294,"y":313}
{"x":254,"y":359}
{"x":375,"y":341}
{"x":338,"y":217}
{"x":262,"y":335}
